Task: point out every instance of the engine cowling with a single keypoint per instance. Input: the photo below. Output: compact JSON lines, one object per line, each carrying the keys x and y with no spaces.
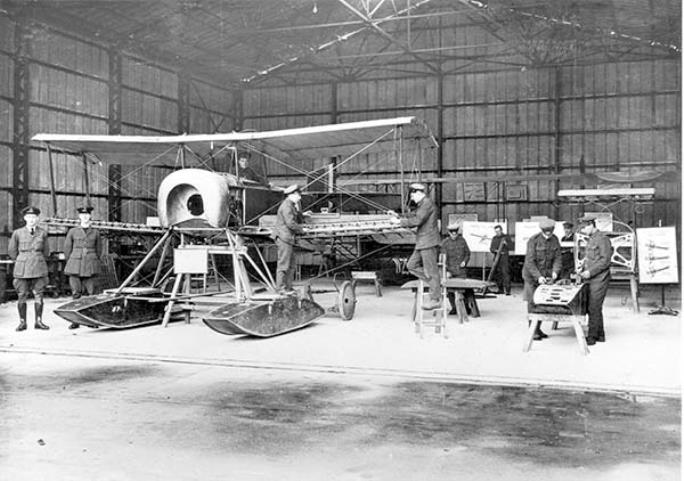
{"x":195,"y":198}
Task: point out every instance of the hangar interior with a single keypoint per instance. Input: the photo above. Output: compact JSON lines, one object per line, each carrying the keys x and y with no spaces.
{"x":524,"y":99}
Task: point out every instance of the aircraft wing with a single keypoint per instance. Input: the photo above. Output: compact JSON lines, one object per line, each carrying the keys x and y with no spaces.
{"x":299,"y":143}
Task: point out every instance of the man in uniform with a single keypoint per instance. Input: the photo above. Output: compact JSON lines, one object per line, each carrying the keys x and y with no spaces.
{"x":596,"y":273}
{"x":542,"y":264}
{"x":501,"y":270}
{"x":82,"y":250}
{"x":567,"y":256}
{"x":285,"y":231}
{"x":245,"y":171}
{"x":457,"y":255}
{"x":423,"y":260}
{"x":29,"y":249}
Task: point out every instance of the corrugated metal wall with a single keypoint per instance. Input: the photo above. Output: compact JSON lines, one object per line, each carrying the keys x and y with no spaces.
{"x":6,"y":128}
{"x":69,"y":82}
{"x":502,"y":122}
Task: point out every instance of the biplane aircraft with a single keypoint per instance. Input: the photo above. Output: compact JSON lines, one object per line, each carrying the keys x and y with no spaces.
{"x":204,"y":214}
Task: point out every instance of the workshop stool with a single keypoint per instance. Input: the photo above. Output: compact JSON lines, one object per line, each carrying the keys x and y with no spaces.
{"x":371,"y":276}
{"x":558,"y":303}
{"x":536,"y":319}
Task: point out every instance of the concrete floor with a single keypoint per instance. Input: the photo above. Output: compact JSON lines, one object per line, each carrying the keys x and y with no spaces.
{"x":365,"y":399}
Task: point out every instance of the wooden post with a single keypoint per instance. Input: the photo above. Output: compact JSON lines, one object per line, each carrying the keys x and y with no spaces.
{"x":174,"y":293}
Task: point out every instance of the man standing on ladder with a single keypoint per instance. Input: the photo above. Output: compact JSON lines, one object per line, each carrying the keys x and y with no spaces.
{"x":499,"y":247}
{"x":423,"y":260}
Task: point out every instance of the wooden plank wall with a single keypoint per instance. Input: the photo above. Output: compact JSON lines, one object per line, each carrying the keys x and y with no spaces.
{"x":499,"y":121}
{"x":69,"y":83}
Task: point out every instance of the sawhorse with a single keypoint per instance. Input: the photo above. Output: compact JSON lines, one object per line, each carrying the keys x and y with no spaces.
{"x":371,"y":276}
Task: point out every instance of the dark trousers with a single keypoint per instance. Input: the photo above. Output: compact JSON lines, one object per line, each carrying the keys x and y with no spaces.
{"x":423,"y":265}
{"x":502,"y":277}
{"x":529,"y":286}
{"x":598,"y":287}
{"x":3,"y":285}
{"x":81,"y":285}
{"x":286,"y":264}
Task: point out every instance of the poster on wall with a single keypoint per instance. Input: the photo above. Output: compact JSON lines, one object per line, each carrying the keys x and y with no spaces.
{"x":657,"y":255}
{"x":478,"y":235}
{"x":525,"y":230}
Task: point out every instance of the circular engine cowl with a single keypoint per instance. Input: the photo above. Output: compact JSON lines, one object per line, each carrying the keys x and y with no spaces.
{"x":194,"y":198}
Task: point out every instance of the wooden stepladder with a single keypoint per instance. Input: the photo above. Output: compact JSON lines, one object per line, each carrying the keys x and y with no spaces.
{"x":437,"y":317}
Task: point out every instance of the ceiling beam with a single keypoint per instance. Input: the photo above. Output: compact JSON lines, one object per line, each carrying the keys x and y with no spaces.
{"x":372,"y":24}
{"x":339,"y":39}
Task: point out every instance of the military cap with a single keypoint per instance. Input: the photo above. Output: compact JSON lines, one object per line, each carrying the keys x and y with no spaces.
{"x":587,"y":219}
{"x":568,"y":225}
{"x":31,"y":210}
{"x":417,"y":187}
{"x":291,"y":189}
{"x":547,"y":224}
{"x":454,"y":226}
{"x":84,"y":210}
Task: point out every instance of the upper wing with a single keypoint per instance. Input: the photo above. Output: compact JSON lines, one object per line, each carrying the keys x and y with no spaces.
{"x":315,"y":142}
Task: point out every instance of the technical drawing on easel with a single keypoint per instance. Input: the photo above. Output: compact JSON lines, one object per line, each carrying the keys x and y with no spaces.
{"x":478,"y":235}
{"x":657,"y":255}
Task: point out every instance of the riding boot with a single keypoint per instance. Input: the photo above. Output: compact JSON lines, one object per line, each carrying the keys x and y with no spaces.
{"x":451,"y":295}
{"x":22,"y":317}
{"x":38,"y":306}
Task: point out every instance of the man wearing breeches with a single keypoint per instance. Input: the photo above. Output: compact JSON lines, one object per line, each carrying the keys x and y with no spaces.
{"x":82,"y":249}
{"x":29,"y":249}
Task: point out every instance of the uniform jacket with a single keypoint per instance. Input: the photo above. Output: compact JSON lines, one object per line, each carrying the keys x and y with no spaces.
{"x":424,"y":219}
{"x":287,"y":221}
{"x":496,"y":240}
{"x":82,"y":249}
{"x":29,"y":253}
{"x":456,"y":251}
{"x":598,"y":253}
{"x":543,"y":256}
{"x":251,"y":174}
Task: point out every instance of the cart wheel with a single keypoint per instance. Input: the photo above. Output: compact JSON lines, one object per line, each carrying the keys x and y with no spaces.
{"x":346,"y":301}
